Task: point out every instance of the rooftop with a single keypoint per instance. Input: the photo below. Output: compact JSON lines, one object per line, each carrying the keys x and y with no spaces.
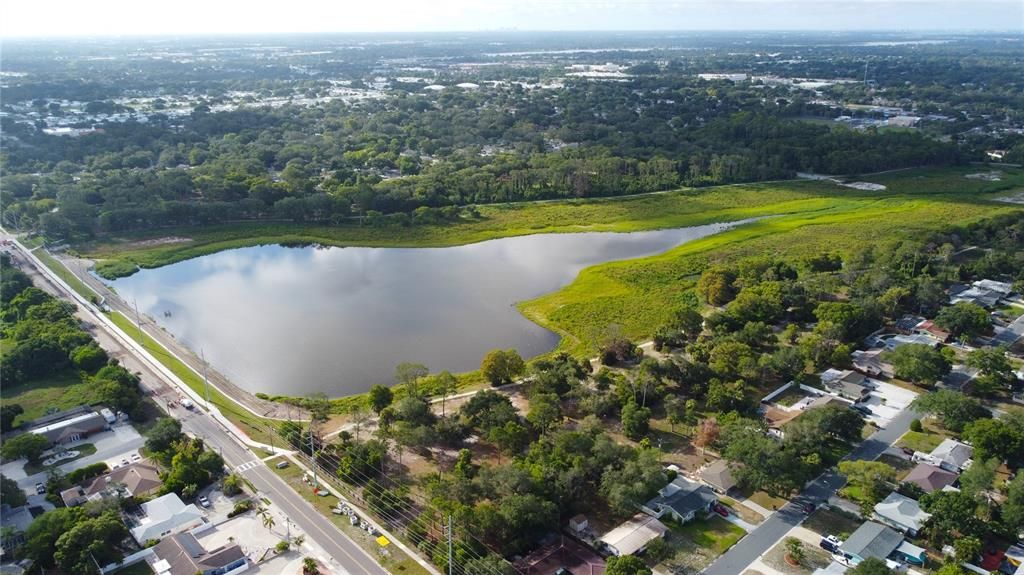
{"x":634,"y":534}
{"x":683,"y":496}
{"x":182,"y":554}
{"x":902,"y":510}
{"x":930,"y":478}
{"x":872,"y":540}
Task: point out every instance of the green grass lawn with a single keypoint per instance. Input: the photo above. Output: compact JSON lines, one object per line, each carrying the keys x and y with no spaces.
{"x":65,"y":274}
{"x":829,"y":521}
{"x":920,"y":441}
{"x":1011,"y":311}
{"x":398,"y":562}
{"x":715,"y":533}
{"x":84,"y":450}
{"x":256,"y":427}
{"x":769,"y":502}
{"x":56,"y":392}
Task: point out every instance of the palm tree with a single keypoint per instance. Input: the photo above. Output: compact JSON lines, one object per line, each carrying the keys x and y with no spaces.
{"x":795,"y":550}
{"x":268,"y":519}
{"x":310,"y":567}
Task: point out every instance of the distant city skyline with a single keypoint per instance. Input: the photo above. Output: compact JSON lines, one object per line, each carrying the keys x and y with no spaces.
{"x":191,"y":17}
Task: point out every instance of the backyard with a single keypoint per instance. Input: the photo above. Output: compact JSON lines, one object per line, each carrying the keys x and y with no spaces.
{"x":695,"y":545}
{"x":831,"y":521}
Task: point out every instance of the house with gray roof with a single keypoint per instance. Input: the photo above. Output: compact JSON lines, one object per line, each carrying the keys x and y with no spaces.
{"x":952,"y":455}
{"x":682,"y":499}
{"x":847,"y":384}
{"x":901,"y":513}
{"x":182,"y":554}
{"x":14,"y":522}
{"x":871,"y":540}
{"x":718,"y":476}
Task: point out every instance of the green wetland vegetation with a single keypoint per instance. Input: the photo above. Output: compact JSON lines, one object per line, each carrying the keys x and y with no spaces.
{"x":807,"y":218}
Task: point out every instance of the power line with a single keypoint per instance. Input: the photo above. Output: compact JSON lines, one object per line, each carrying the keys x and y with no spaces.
{"x":403,"y":513}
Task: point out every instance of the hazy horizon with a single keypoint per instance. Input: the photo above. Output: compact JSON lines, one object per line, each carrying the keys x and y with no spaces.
{"x":120,"y":18}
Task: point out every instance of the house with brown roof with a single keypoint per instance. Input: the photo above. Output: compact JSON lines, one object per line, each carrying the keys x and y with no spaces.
{"x":928,"y":327}
{"x":69,"y":425}
{"x":182,"y":554}
{"x":930,"y":478}
{"x":140,"y":478}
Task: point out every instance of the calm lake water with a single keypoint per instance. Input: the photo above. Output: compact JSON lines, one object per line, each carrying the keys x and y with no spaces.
{"x":296,"y":320}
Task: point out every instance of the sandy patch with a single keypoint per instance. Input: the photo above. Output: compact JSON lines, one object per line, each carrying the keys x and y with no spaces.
{"x":1017,"y":198}
{"x":158,"y":242}
{"x":866,"y":186}
{"x":993,"y":176}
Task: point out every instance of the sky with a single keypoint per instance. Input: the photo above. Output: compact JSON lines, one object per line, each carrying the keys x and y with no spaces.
{"x":188,"y":17}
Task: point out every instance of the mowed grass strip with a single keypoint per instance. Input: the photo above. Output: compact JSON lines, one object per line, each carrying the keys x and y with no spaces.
{"x":256,"y":427}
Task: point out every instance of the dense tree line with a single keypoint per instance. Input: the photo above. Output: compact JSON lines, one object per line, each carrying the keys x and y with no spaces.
{"x":416,"y":154}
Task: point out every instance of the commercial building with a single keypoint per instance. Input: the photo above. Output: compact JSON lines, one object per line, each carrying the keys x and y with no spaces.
{"x":68,"y":426}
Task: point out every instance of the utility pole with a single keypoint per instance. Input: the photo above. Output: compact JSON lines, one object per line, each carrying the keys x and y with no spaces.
{"x":206,"y":380}
{"x":312,"y":452}
{"x":138,"y":322}
{"x":450,"y":544}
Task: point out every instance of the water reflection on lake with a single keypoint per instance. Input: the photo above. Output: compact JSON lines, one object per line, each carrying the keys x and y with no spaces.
{"x":298,"y":320}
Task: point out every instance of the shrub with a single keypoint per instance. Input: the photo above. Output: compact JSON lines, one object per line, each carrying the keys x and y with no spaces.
{"x":282,"y":546}
{"x":915,"y":425}
{"x":241,"y":507}
{"x":87,"y":472}
{"x":232,"y":485}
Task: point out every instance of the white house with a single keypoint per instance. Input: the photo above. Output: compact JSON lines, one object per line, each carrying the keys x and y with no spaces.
{"x":633,"y":535}
{"x":165,"y":515}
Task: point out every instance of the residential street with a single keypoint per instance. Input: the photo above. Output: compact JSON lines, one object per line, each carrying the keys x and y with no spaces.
{"x":737,"y":559}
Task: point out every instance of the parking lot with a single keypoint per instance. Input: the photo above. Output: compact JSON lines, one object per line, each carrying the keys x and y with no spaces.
{"x":113,"y":447}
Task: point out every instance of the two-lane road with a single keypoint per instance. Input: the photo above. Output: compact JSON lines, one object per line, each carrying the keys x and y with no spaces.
{"x":768,"y":533}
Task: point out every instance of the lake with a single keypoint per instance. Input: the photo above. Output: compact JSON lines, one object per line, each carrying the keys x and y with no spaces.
{"x":297,"y":320}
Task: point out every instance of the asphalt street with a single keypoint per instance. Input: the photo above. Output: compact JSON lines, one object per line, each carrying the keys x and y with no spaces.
{"x":775,"y":527}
